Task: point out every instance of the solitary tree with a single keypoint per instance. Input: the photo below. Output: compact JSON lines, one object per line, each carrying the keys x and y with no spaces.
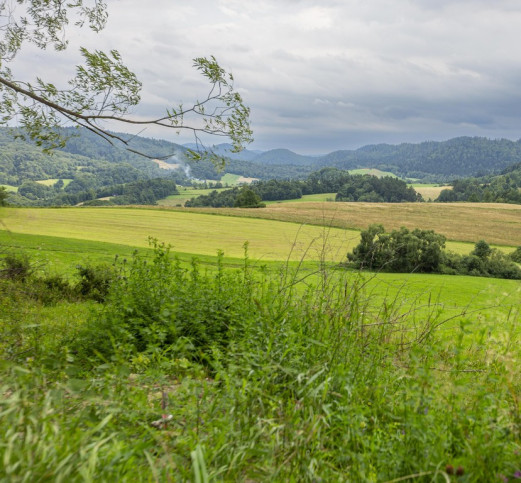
{"x":103,"y":88}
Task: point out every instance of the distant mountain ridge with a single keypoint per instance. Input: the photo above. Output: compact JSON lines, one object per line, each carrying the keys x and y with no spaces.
{"x":435,"y":160}
{"x":429,"y":161}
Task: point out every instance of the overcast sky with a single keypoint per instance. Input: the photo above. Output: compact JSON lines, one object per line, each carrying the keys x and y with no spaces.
{"x":326,"y":75}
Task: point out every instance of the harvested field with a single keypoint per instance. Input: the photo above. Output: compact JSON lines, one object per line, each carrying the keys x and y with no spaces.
{"x":497,"y":223}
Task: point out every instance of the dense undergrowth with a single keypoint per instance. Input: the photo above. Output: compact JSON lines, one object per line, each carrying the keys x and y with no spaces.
{"x":180,"y":374}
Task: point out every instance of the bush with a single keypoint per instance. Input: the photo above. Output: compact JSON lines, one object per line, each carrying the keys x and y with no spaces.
{"x":516,"y":255}
{"x":95,"y":281}
{"x":154,"y":304}
{"x":423,"y":251}
{"x":16,"y":267}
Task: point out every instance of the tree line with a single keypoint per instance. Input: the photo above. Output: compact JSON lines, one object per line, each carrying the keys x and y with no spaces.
{"x":327,"y":180}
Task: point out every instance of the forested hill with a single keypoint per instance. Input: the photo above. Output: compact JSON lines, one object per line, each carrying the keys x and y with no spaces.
{"x":458,"y":157}
{"x":86,"y":143}
{"x":504,"y":188}
{"x":85,"y":152}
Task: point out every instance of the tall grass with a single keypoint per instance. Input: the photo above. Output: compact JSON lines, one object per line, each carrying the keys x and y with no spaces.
{"x":262,"y":376}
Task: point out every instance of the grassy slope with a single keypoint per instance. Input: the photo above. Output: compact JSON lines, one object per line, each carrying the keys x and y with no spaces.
{"x":491,"y":298}
{"x":52,"y":181}
{"x":187,"y":232}
{"x":497,"y":223}
{"x":372,"y":172}
{"x":8,"y":187}
{"x":429,"y":192}
{"x":184,"y":195}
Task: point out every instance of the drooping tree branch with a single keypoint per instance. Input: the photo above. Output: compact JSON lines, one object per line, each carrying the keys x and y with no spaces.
{"x":104,"y":89}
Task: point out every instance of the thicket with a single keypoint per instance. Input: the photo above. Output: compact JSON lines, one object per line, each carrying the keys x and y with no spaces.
{"x":423,"y":251}
{"x":188,"y":374}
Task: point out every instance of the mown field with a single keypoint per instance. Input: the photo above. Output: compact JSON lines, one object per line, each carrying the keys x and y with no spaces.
{"x":429,"y":192}
{"x":497,"y":223}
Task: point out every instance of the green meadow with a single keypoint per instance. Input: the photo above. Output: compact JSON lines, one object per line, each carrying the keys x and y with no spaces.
{"x":52,"y":181}
{"x":270,"y":363}
{"x":185,"y":193}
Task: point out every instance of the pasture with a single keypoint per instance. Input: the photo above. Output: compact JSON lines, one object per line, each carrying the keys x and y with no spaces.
{"x":429,"y":192}
{"x":52,"y":181}
{"x":497,"y":223}
{"x":185,"y":194}
{"x":187,"y":232}
{"x":11,"y":189}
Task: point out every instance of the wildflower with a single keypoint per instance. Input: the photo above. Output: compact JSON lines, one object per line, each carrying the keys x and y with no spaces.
{"x":449,"y":469}
{"x":460,"y":471}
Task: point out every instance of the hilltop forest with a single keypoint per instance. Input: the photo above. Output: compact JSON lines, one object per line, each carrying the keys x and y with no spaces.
{"x":88,"y":168}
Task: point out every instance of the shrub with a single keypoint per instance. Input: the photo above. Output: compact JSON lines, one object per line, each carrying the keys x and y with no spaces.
{"x":516,"y":255}
{"x":16,"y":267}
{"x":153,"y":304}
{"x":95,"y":281}
{"x":399,"y":251}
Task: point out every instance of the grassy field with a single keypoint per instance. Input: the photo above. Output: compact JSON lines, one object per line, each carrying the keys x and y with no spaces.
{"x":373,"y":172}
{"x":61,"y":255}
{"x":52,"y":181}
{"x":185,"y":193}
{"x":230,"y":179}
{"x":497,"y":223}
{"x":186,"y":231}
{"x":266,"y":372}
{"x":307,"y":198}
{"x":8,"y":187}
{"x":429,"y":191}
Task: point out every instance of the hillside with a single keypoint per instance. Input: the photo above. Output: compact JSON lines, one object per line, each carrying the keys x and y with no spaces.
{"x":89,"y":155}
{"x":503,"y":188}
{"x":440,"y":161}
{"x":283,"y":156}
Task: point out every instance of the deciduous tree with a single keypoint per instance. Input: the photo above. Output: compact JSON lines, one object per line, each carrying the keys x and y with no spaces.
{"x":104,"y":88}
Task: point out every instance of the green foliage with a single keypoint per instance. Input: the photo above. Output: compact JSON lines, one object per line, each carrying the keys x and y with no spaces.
{"x":516,"y":255}
{"x":4,"y":194}
{"x":432,"y":161}
{"x":327,"y":180}
{"x":373,"y":189}
{"x":399,"y":251}
{"x":247,"y":198}
{"x":103,"y":89}
{"x":504,"y":188}
{"x":423,"y":251}
{"x":482,"y":250}
{"x":95,"y":281}
{"x":155,"y":304}
{"x":16,"y":267}
{"x":310,"y":381}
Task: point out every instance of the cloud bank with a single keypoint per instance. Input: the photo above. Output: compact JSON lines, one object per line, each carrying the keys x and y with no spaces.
{"x":327,"y":75}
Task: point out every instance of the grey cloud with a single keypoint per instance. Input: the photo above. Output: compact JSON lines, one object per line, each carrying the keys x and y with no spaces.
{"x":380,"y":72}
